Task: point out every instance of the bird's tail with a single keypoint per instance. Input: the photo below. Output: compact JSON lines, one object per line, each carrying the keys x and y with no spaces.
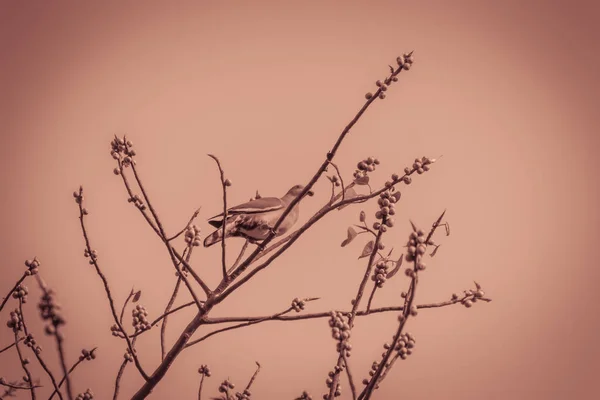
{"x":217,"y":235}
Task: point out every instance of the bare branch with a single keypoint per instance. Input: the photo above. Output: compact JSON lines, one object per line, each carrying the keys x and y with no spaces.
{"x":224,"y":225}
{"x":94,"y":262}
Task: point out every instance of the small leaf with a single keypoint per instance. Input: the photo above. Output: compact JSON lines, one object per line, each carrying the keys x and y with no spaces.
{"x":350,"y":193}
{"x":477,"y":285}
{"x":351,"y":235}
{"x":367,"y":250}
{"x":397,"y":268}
{"x":433,"y":253}
{"x":137,"y":296}
{"x":330,"y":178}
{"x":447,"y":229}
{"x":391,"y":69}
{"x":397,"y":196}
{"x":363,"y":180}
{"x":390,"y":253}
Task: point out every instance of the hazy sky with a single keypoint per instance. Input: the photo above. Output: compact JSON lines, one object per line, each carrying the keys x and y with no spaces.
{"x":506,"y":91}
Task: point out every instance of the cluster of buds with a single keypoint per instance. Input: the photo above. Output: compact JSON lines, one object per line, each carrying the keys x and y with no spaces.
{"x":50,"y":311}
{"x":470,"y":297}
{"x":416,"y":248}
{"x":203,"y":370}
{"x":93,"y":255}
{"x":405,"y":60}
{"x":87,"y":355}
{"x":387,"y":209}
{"x":20,"y":293}
{"x":245,"y":395}
{"x":420,"y":165}
{"x":340,"y":331}
{"x":32,"y":266}
{"x":121,"y":149}
{"x":115,"y":331}
{"x":192,"y":236}
{"x":226,"y":386}
{"x":403,"y":346}
{"x":78,"y":196}
{"x":32,"y":344}
{"x":87,"y":395}
{"x":15,"y":322}
{"x":298,"y":305}
{"x":140,"y":322}
{"x":329,"y":382}
{"x":365,"y":166}
{"x":380,"y":274}
{"x":137,"y":201}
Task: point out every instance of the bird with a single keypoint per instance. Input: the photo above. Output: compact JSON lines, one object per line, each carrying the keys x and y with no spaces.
{"x":255,"y":219}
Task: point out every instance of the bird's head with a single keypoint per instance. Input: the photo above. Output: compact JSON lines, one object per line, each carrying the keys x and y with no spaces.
{"x":296,"y":190}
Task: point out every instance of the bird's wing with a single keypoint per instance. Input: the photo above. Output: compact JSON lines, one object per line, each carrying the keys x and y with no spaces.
{"x":264,"y":204}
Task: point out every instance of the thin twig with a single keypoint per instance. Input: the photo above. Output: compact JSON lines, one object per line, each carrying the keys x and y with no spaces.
{"x":193,"y":217}
{"x":10,"y":385}
{"x":239,"y":257}
{"x":120,"y":374}
{"x":179,"y":259}
{"x":244,"y":324}
{"x":199,"y":388}
{"x":10,"y":345}
{"x":125,"y":305}
{"x":94,"y":261}
{"x":349,"y":374}
{"x":371,"y":297}
{"x":224,"y":225}
{"x":163,"y":329}
{"x":13,"y":289}
{"x":37,"y":353}
{"x":249,"y":385}
{"x":337,"y":170}
{"x":24,"y":366}
{"x":64,"y":378}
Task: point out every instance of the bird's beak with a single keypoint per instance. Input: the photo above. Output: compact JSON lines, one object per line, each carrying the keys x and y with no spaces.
{"x":310,"y":193}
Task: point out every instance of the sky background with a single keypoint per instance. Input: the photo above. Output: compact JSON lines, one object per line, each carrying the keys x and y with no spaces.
{"x":506,"y":91}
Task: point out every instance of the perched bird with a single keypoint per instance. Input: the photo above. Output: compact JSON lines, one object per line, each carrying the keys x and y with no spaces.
{"x":255,"y":219}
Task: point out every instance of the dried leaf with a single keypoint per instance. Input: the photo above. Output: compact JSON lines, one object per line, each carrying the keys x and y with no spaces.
{"x":477,"y":285}
{"x":363,"y":180}
{"x":351,"y":235}
{"x":433,"y":253}
{"x":397,"y":268}
{"x":330,"y":178}
{"x":367,"y":250}
{"x":136,"y":296}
